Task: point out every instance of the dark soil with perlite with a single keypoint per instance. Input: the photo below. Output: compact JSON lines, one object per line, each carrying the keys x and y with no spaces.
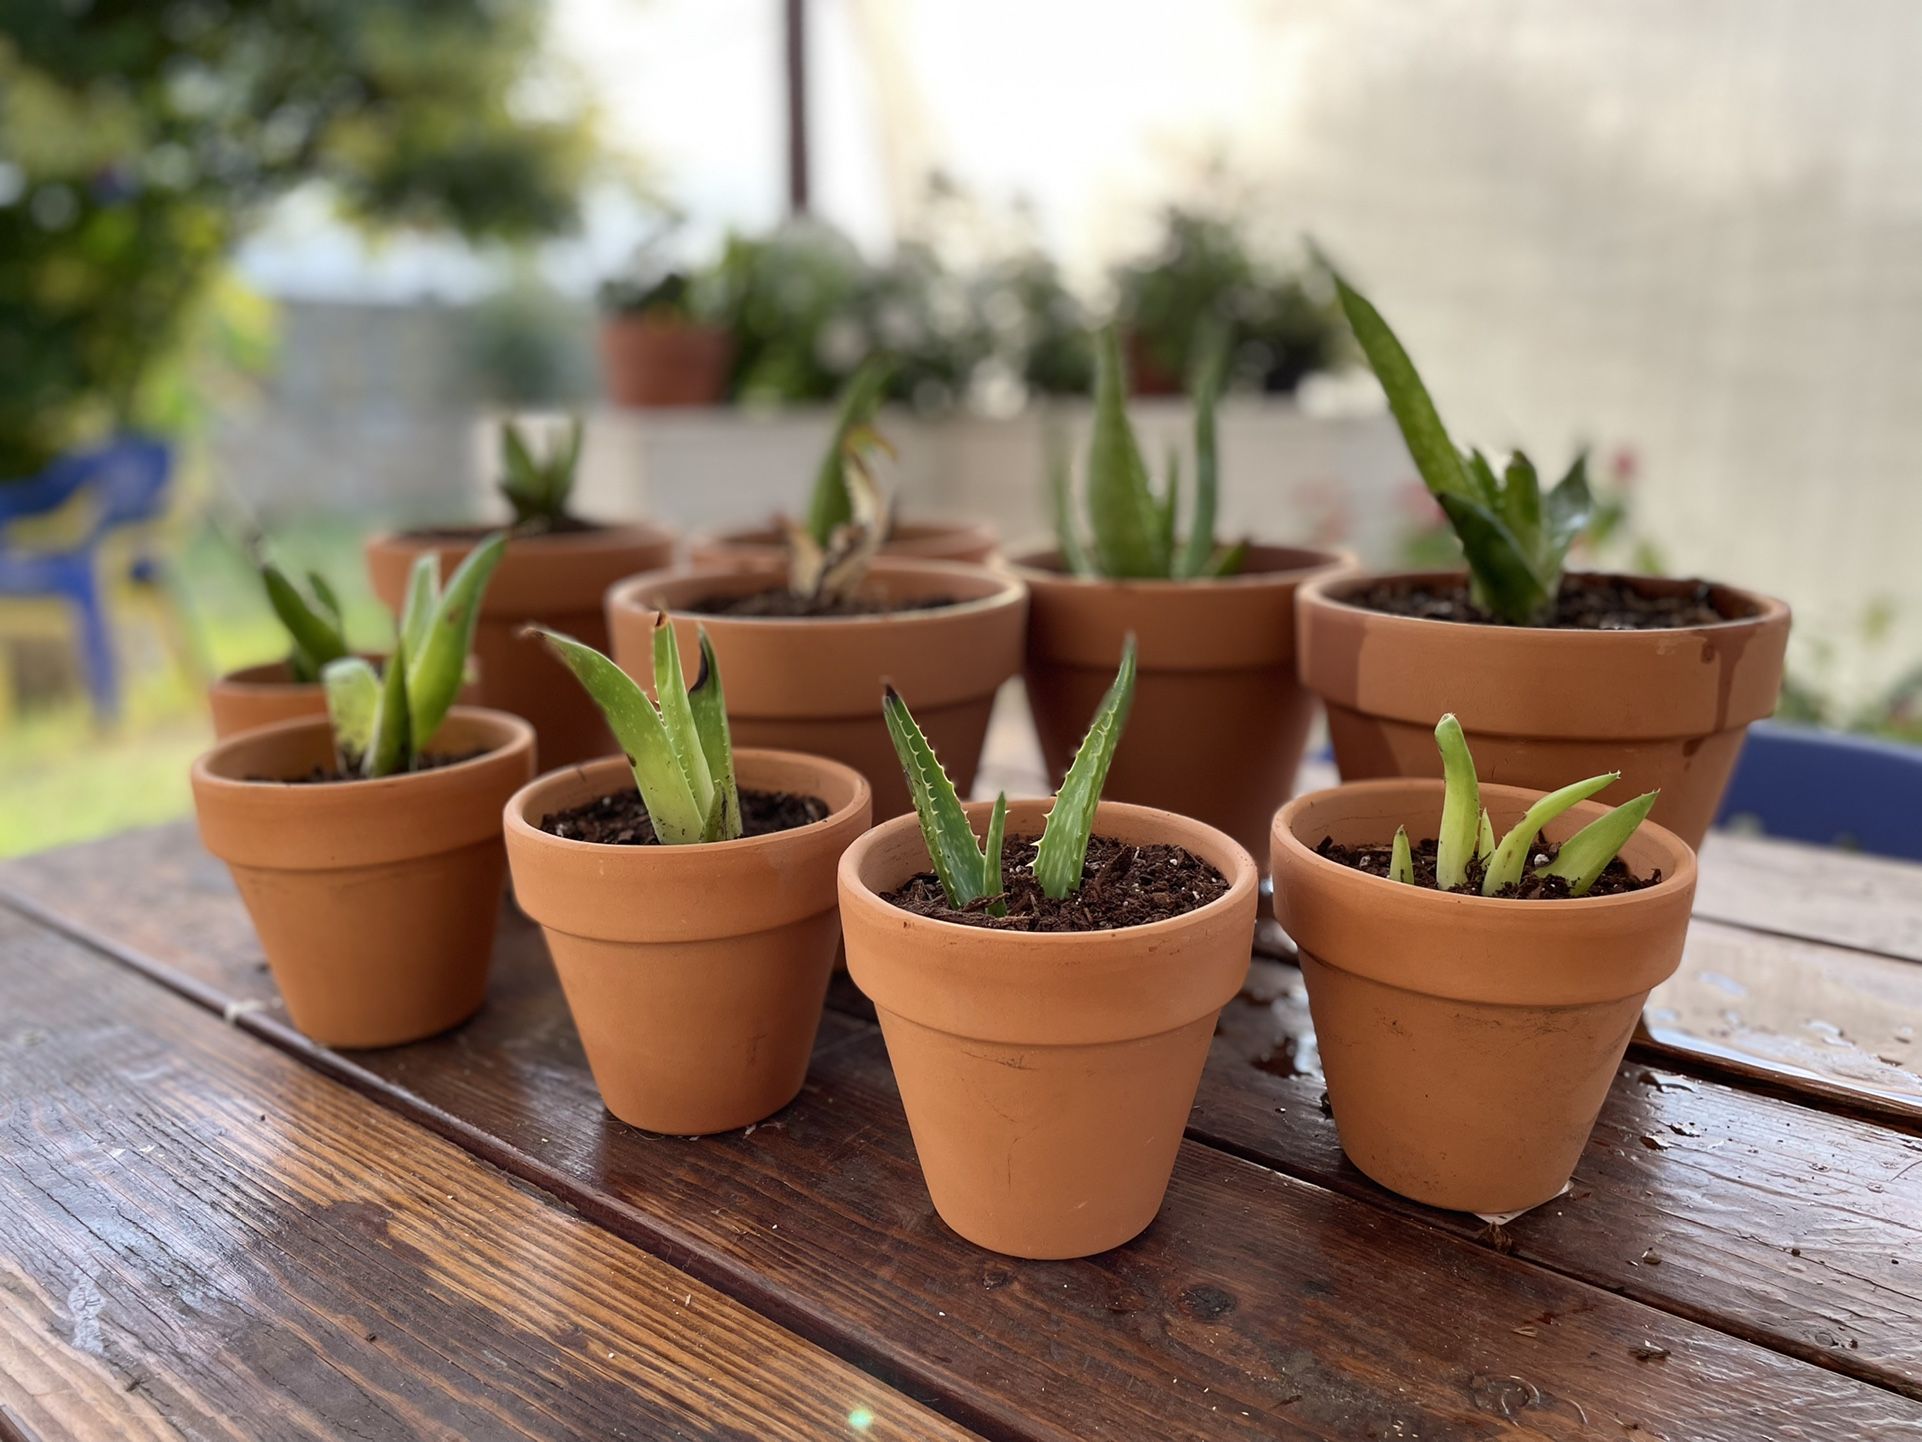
{"x":1615,"y":879}
{"x":1585,"y":603}
{"x":621,"y":819}
{"x":1122,"y":885}
{"x":786,"y":605}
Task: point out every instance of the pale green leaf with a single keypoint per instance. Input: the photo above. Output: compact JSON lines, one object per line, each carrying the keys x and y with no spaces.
{"x":1511,"y":853}
{"x":1064,"y":837}
{"x":1586,"y":854}
{"x":1461,"y":806}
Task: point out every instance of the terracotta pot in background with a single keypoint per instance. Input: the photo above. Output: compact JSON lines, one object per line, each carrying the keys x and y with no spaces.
{"x":557,"y":580}
{"x":1469,"y":1042}
{"x":1544,"y":707}
{"x":695,"y":974}
{"x":653,"y":361}
{"x":814,"y":685}
{"x":1047,"y":1079}
{"x":256,"y":696}
{"x":375,"y":901}
{"x":1219,"y":720}
{"x":969,"y":541}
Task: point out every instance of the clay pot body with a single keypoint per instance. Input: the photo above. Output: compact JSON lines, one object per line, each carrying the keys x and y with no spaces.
{"x":555,"y":580}
{"x":1047,"y":1079}
{"x":1468,"y":1042}
{"x":1219,"y":720}
{"x":695,"y":974}
{"x":652,"y":361}
{"x":1544,"y":707}
{"x":256,"y":696}
{"x":814,"y":685}
{"x":375,"y":901}
{"x":970,"y":541}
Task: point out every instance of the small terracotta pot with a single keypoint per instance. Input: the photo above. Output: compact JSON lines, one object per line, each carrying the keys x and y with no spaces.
{"x":256,"y":696}
{"x":1219,"y":720}
{"x":970,"y":541}
{"x":556,"y":580}
{"x":652,"y":362}
{"x":1047,"y":1079}
{"x":695,"y":974}
{"x":1544,"y":707}
{"x":1469,"y":1042}
{"x":814,"y":685}
{"x":375,"y":901}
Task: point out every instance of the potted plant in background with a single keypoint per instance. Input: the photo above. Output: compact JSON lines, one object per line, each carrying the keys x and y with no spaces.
{"x":555,"y":573}
{"x":830,"y":506}
{"x":1048,"y":995}
{"x":1472,"y":998}
{"x":687,"y":894}
{"x":806,"y":650}
{"x":1220,"y":720}
{"x":288,"y":689}
{"x":1551,"y":673}
{"x":366,"y":845}
{"x":662,"y":341}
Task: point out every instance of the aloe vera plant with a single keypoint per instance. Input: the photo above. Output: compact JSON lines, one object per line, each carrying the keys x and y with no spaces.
{"x":1131,"y":531}
{"x":678,"y":744}
{"x":1466,"y":834}
{"x":384,"y":721}
{"x":970,"y":870}
{"x":538,"y":487}
{"x":1514,"y":535}
{"x":312,"y":618}
{"x":848,"y":516}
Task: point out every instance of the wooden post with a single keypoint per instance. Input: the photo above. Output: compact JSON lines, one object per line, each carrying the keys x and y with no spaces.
{"x":797,"y":106}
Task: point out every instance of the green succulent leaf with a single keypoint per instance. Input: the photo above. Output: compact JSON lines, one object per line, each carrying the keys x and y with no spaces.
{"x":992,"y":883}
{"x":958,"y":858}
{"x":1064,"y":837}
{"x":417,"y":612}
{"x":329,"y":601}
{"x":539,"y":487}
{"x":1511,"y":853}
{"x":677,"y":716}
{"x":1170,"y":503}
{"x":1461,"y":806}
{"x":1401,"y":861}
{"x":436,"y":664}
{"x":1125,"y":516}
{"x":352,"y":689}
{"x":316,"y":640}
{"x":830,"y":507}
{"x":1521,"y":502}
{"x":1586,"y":854}
{"x":1074,"y":555}
{"x":1198,"y":550}
{"x":1227,"y":561}
{"x":1485,"y":838}
{"x":393,"y":747}
{"x":1505,"y":581}
{"x":709,"y":704}
{"x":1568,"y":511}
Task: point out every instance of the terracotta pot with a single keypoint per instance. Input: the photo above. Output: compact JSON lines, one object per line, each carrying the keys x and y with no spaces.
{"x":1544,"y":707}
{"x":815,"y":685}
{"x":257,"y":696}
{"x":1469,"y":1042}
{"x":558,"y":581}
{"x":1219,"y":720}
{"x":651,"y":361}
{"x":969,"y":541}
{"x":1047,"y":1079}
{"x":375,"y":901}
{"x":695,"y":974}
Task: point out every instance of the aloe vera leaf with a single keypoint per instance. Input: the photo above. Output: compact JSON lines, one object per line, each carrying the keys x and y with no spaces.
{"x":417,"y":611}
{"x":1401,"y":861}
{"x":313,"y":636}
{"x":1461,"y":805}
{"x":956,"y":855}
{"x":438,"y":661}
{"x":829,"y":507}
{"x":709,"y":704}
{"x":1485,"y":838}
{"x":1568,"y":509}
{"x":642,"y":736}
{"x":352,"y":689}
{"x":1521,"y":506}
{"x":394,"y":747}
{"x":568,"y":466}
{"x":1121,"y":507}
{"x":1074,"y":555}
{"x":1170,"y":503}
{"x":1505,"y":866}
{"x":1481,"y":477}
{"x":1227,"y":561}
{"x":677,"y":715}
{"x":992,"y":883}
{"x":1506,"y":582}
{"x":1199,"y":549}
{"x":1064,"y":836}
{"x":1586,"y":854}
{"x":329,"y":601}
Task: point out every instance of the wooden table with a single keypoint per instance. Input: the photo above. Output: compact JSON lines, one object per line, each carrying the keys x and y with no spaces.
{"x":211,"y":1228}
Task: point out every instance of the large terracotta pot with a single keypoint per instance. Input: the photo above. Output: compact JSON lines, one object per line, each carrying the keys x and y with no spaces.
{"x":814,"y":685}
{"x":375,"y":901}
{"x":969,"y":541}
{"x":256,"y":696}
{"x":1544,"y":707}
{"x":653,"y":361}
{"x":556,"y":580}
{"x":695,"y":974}
{"x":1219,"y":720}
{"x":1468,"y":1042}
{"x":1047,"y":1079}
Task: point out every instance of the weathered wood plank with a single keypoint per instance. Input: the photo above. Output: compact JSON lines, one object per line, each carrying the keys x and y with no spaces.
{"x":200,"y":1237}
{"x":1817,"y":893}
{"x":1258,"y":1304}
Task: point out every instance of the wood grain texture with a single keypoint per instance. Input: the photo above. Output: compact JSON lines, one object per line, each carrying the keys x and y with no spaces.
{"x":1257,"y":1306}
{"x":200,"y":1237}
{"x":1871,"y":903}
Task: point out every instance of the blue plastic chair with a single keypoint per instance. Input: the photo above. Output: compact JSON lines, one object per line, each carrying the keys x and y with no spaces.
{"x":123,"y":483}
{"x":1803,"y":784}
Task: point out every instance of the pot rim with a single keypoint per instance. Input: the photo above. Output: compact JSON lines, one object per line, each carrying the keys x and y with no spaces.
{"x":514,"y":813}
{"x":1321,"y":592}
{"x":1009,"y":591}
{"x":1243,"y":881}
{"x":911,"y":528}
{"x":518,"y":733}
{"x":1675,"y":877}
{"x":1041,"y":565}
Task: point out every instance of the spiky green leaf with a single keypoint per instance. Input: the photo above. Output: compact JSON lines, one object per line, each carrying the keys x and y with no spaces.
{"x":1485,"y":838}
{"x":830,"y":507}
{"x":1506,"y":583}
{"x":394,"y":746}
{"x":677,"y":715}
{"x":992,"y":882}
{"x":316,"y":640}
{"x":709,"y":704}
{"x":1504,"y":868}
{"x":1567,"y":511}
{"x":437,"y":662}
{"x":1122,"y":510}
{"x":1198,"y":550}
{"x":1401,"y":861}
{"x":1074,"y":555}
{"x":1586,"y":854}
{"x":1461,"y":806}
{"x":1064,"y":836}
{"x":417,"y":611}
{"x":1521,"y":503}
{"x":329,"y":601}
{"x":957,"y":856}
